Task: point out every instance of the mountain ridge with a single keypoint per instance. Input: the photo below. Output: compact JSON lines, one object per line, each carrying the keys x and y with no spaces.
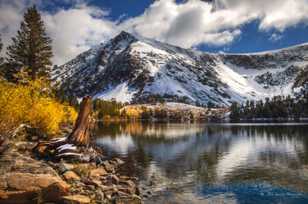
{"x":134,"y":69}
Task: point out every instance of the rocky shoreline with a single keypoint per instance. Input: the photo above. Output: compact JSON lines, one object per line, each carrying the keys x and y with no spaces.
{"x":25,"y":179}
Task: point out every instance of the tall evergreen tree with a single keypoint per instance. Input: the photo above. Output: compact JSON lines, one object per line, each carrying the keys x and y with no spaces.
{"x":31,"y":48}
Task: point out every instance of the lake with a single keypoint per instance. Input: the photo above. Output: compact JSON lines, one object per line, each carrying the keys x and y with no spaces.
{"x":213,"y":163}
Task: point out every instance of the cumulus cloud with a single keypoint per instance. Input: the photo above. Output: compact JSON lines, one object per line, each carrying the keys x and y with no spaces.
{"x":274,"y":14}
{"x":76,"y":30}
{"x":215,"y":22}
{"x":187,"y":24}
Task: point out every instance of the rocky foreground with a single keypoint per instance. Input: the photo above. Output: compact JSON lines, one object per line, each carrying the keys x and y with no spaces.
{"x":25,"y":179}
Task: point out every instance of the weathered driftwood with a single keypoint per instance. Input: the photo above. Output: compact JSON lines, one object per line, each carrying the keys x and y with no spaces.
{"x":76,"y":145}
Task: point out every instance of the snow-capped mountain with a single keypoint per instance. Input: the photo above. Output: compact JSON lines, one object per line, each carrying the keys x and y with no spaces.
{"x":134,"y":69}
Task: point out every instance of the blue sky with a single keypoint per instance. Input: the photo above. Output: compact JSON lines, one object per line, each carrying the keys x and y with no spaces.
{"x":251,"y":40}
{"x":233,"y":26}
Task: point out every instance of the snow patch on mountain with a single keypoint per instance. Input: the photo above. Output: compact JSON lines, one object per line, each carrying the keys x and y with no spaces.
{"x":120,"y":93}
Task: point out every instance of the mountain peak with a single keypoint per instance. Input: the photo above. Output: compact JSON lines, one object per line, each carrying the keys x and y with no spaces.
{"x":123,"y":35}
{"x":130,"y":68}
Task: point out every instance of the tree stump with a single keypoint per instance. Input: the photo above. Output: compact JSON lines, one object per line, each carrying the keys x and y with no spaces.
{"x":84,"y":124}
{"x":76,"y":145}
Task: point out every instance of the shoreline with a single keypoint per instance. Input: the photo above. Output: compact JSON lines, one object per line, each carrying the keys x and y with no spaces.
{"x":26,"y":179}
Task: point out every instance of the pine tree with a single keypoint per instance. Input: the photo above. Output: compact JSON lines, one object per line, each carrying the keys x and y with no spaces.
{"x":235,"y":112}
{"x":31,"y":48}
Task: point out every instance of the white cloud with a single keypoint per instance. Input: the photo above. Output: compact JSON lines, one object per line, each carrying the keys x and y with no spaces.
{"x":10,"y":17}
{"x":195,"y":22}
{"x":274,"y":14}
{"x":186,"y":24}
{"x":275,"y":37}
{"x":76,"y":30}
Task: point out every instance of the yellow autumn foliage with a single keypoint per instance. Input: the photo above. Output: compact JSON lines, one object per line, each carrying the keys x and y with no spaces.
{"x":132,"y":112}
{"x":32,"y":104}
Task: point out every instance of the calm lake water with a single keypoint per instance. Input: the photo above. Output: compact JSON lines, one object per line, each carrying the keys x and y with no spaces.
{"x":213,"y":163}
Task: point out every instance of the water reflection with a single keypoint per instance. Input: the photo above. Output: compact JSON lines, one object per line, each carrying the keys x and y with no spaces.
{"x":213,"y":162}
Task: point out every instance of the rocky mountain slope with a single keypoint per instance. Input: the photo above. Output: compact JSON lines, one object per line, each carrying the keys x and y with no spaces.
{"x":134,"y":69}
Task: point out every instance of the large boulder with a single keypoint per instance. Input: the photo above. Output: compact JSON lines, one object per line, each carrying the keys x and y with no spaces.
{"x":31,"y":182}
{"x":26,"y":180}
{"x":27,"y":187}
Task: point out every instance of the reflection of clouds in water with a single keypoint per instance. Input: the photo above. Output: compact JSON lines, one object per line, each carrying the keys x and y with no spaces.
{"x":173,"y":130}
{"x":163,"y":152}
{"x":247,"y":151}
{"x":186,"y":152}
{"x":121,"y":143}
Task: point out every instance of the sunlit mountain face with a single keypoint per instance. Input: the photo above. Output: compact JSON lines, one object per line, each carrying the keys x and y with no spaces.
{"x":210,"y":162}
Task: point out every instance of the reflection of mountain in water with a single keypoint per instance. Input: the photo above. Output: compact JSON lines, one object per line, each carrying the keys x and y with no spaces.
{"x":215,"y":154}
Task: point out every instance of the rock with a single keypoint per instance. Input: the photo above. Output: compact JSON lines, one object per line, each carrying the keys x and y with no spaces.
{"x":90,"y":182}
{"x":24,"y":146}
{"x":113,"y":179}
{"x":97,"y":182}
{"x":118,"y":161}
{"x":24,"y":187}
{"x":127,"y":190}
{"x":125,"y":177}
{"x":76,"y":199}
{"x":98,"y":172}
{"x":83,"y":170}
{"x":109,"y":194}
{"x":128,"y":200}
{"x":105,"y":188}
{"x":71,"y":176}
{"x":63,"y":167}
{"x":91,"y":187}
{"x":108,"y":167}
{"x":24,"y":179}
{"x":25,"y":132}
{"x":3,"y":183}
{"x":128,"y":187}
{"x":100,"y":195}
{"x":54,"y":193}
{"x":128,"y":183}
{"x":17,"y":197}
{"x":3,"y":145}
{"x":32,"y":182}
{"x":27,"y":180}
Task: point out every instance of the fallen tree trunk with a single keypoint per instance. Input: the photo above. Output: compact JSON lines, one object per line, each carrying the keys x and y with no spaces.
{"x":76,"y":145}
